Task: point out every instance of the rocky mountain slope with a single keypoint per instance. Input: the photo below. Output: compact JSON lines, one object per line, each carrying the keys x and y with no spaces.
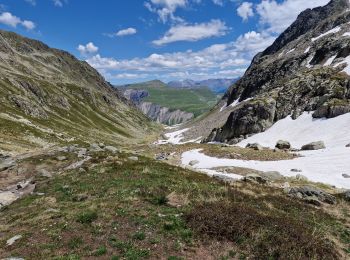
{"x":169,"y":105}
{"x":217,"y":86}
{"x":305,"y":69}
{"x":156,"y":112}
{"x":50,"y":97}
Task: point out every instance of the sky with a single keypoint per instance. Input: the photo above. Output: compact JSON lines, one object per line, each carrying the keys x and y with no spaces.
{"x":139,"y":40}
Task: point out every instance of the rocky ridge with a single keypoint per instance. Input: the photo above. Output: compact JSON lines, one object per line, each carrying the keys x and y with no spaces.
{"x":305,"y":69}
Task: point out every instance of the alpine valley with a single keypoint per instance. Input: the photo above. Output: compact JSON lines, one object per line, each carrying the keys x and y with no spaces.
{"x":252,"y":166}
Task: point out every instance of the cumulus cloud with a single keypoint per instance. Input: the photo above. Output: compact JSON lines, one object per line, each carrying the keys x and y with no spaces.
{"x":278,"y":16}
{"x":89,"y":48}
{"x":192,"y":33}
{"x":12,"y":20}
{"x":245,"y":10}
{"x":165,"y":9}
{"x":124,"y":32}
{"x":218,"y":2}
{"x":218,"y":60}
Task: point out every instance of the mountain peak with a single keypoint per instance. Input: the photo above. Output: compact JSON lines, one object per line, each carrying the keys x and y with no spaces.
{"x":307,"y":21}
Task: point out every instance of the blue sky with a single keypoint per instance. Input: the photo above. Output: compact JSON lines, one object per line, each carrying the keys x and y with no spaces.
{"x":138,"y":40}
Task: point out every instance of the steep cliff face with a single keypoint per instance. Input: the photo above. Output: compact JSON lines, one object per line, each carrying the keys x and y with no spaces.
{"x":156,"y":112}
{"x":306,"y":69}
{"x":48,"y":96}
{"x":164,"y":115}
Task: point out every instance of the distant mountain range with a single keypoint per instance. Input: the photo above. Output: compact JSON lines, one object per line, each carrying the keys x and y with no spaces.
{"x":218,"y":86}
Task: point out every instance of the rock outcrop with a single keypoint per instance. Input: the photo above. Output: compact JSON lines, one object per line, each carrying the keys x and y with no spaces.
{"x":156,"y":112}
{"x":305,"y":69}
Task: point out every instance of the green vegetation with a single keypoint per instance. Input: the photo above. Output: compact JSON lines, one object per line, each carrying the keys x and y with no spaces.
{"x":129,"y":212}
{"x":196,"y":101}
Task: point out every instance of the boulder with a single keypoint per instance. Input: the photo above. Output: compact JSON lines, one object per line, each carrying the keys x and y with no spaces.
{"x":313,"y":146}
{"x":224,"y":178}
{"x":283,"y":145}
{"x":12,"y":240}
{"x":193,"y":163}
{"x":133,"y":158}
{"x":348,"y":145}
{"x":347,"y":195}
{"x":301,"y":177}
{"x":255,"y":178}
{"x":255,"y":146}
{"x":346,"y":176}
{"x":296,"y":170}
{"x":310,"y":193}
{"x":111,"y":149}
{"x":272,"y":176}
{"x":95,"y":148}
{"x":61,"y":158}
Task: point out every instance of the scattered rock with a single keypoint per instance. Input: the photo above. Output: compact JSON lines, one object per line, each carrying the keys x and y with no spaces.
{"x":81,"y":170}
{"x":162,"y":156}
{"x":111,"y":149}
{"x":347,"y":195}
{"x":301,"y":177}
{"x":346,"y":176}
{"x":313,"y":146}
{"x":95,"y":148}
{"x":255,"y":178}
{"x":272,"y":176}
{"x":133,"y":158}
{"x":283,"y":145}
{"x":255,"y":146}
{"x":80,"y":197}
{"x":61,"y":158}
{"x":313,"y":201}
{"x":12,"y":240}
{"x":296,"y":170}
{"x":310,"y":193}
{"x":82,"y":152}
{"x":224,"y":178}
{"x":193,"y":163}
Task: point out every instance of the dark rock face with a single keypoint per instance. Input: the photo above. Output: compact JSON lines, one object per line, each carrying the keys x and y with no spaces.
{"x":301,"y":71}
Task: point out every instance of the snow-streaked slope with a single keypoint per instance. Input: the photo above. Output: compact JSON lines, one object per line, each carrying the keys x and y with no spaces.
{"x":326,"y":166}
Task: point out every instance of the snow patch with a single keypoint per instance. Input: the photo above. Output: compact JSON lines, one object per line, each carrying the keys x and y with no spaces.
{"x":347,"y":34}
{"x":176,"y":137}
{"x":290,"y":51}
{"x":330,"y":61}
{"x":334,"y":30}
{"x":347,"y":62}
{"x":307,"y":49}
{"x":326,"y":166}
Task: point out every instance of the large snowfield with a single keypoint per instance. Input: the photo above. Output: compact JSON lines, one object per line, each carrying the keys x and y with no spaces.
{"x":326,"y":166}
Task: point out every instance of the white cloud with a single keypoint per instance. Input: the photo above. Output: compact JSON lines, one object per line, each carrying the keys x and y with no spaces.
{"x":192,"y":33}
{"x":218,"y":60}
{"x":245,"y":10}
{"x":218,"y":2}
{"x":12,"y":20}
{"x":59,"y":3}
{"x":278,"y":16}
{"x":28,"y":24}
{"x":89,"y":48}
{"x":165,"y":9}
{"x":128,"y":31}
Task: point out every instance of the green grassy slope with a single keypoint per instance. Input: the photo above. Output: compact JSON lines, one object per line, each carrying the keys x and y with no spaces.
{"x":124,"y":209}
{"x":196,"y":101}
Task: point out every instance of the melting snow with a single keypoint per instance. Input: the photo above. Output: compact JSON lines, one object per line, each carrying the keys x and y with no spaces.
{"x":345,"y":61}
{"x":326,"y":166}
{"x":347,"y":34}
{"x":334,"y":30}
{"x":291,"y":51}
{"x":173,"y":137}
{"x":330,"y":61}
